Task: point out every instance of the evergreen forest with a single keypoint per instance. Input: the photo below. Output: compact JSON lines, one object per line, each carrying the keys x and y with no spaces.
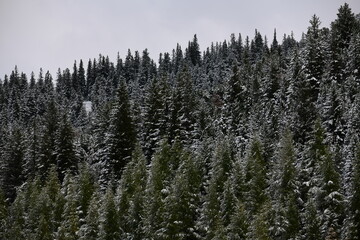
{"x":250,"y":138}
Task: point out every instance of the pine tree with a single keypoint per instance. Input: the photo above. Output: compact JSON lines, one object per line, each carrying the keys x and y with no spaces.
{"x":182,"y":202}
{"x":261,"y":225}
{"x":286,"y":190}
{"x":32,"y":208}
{"x":183,"y":110}
{"x":312,"y":223}
{"x":239,"y":225}
{"x":48,"y":139}
{"x":161,"y":173}
{"x":131,"y":196}
{"x":343,"y":27}
{"x":194,"y":52}
{"x":86,"y":189}
{"x":32,"y":153}
{"x":16,"y":218}
{"x":65,"y":149}
{"x":109,"y":223}
{"x":70,"y":220}
{"x":57,"y":200}
{"x":13,"y":163}
{"x":215,"y":205}
{"x":3,"y":215}
{"x":90,"y":229}
{"x":314,"y":57}
{"x":45,"y":224}
{"x":81,"y":80}
{"x":235,"y":101}
{"x":121,"y":135}
{"x":354,"y":232}
{"x":256,"y":176}
{"x":156,"y":117}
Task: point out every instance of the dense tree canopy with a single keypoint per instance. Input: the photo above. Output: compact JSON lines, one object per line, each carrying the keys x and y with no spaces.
{"x":244,"y":140}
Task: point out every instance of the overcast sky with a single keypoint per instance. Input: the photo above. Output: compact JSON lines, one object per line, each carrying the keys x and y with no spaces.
{"x":53,"y":33}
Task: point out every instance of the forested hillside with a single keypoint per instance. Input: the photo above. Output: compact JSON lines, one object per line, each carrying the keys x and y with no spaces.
{"x":253,"y":138}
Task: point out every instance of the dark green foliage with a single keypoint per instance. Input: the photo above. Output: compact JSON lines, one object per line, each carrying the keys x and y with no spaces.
{"x":256,"y":176}
{"x":244,"y":141}
{"x":355,"y":198}
{"x":121,"y":132}
{"x":343,"y":27}
{"x":132,"y":196}
{"x":48,"y":141}
{"x":193,"y":52}
{"x":109,"y":224}
{"x":65,"y":150}
{"x":13,"y":157}
{"x":182,"y":202}
{"x":156,"y":118}
{"x":3,"y":215}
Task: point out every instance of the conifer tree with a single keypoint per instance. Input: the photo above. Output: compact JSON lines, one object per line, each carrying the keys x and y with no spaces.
{"x":286,"y":190}
{"x":86,"y":189}
{"x":16,"y":218}
{"x":14,"y":152}
{"x":109,"y":223}
{"x":57,"y":200}
{"x":181,"y":203}
{"x":48,"y":139}
{"x":261,"y":224}
{"x":45,"y":227}
{"x":161,"y":173}
{"x":255,"y":176}
{"x":239,"y":225}
{"x":32,"y":209}
{"x":314,"y":57}
{"x":312,"y":223}
{"x":194,"y":51}
{"x":3,"y":215}
{"x":121,"y":135}
{"x":90,"y":228}
{"x":156,"y":117}
{"x":354,"y":232}
{"x":65,"y":149}
{"x":343,"y":27}
{"x":70,"y":220}
{"x":81,"y":80}
{"x":183,"y":110}
{"x":131,"y":196}
{"x":32,"y":153}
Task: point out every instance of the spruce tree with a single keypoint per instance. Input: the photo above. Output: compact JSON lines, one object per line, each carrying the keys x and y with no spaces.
{"x":286,"y":190}
{"x":109,"y":223}
{"x":255,"y":176}
{"x":314,"y":57}
{"x":156,"y":116}
{"x":3,"y":215}
{"x":81,"y":80}
{"x":48,"y":139}
{"x":65,"y":149}
{"x":70,"y":220}
{"x":14,"y":153}
{"x":158,"y":188}
{"x":131,"y":196}
{"x":182,"y":202}
{"x":354,"y":208}
{"x":121,"y":133}
{"x":89,"y":230}
{"x":86,"y":189}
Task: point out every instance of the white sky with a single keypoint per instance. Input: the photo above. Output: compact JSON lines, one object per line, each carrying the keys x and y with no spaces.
{"x":53,"y":33}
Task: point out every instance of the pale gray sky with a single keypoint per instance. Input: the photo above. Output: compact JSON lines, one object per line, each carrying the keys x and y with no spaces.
{"x":53,"y":33}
